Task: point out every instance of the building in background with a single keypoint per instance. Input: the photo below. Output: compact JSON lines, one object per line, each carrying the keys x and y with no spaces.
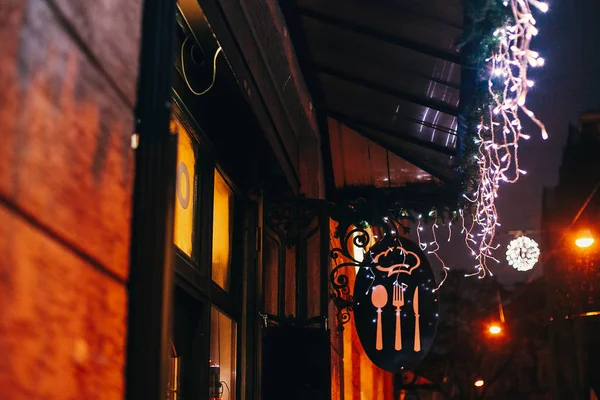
{"x":571,"y":212}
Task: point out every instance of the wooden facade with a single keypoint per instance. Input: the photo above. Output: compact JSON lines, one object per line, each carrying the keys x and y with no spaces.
{"x":66,"y":186}
{"x":153,"y":235}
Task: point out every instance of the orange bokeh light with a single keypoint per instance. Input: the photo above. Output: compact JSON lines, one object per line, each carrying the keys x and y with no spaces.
{"x":584,"y":239}
{"x":495,"y":329}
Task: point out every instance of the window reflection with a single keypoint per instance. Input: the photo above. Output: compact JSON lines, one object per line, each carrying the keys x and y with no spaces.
{"x":222,"y":232}
{"x":222,"y":356}
{"x":185,"y":190}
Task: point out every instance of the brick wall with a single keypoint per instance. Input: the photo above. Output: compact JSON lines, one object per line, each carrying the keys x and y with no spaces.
{"x":67,"y":77}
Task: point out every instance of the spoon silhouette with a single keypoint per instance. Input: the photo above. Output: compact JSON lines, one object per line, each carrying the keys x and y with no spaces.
{"x":379,"y":298}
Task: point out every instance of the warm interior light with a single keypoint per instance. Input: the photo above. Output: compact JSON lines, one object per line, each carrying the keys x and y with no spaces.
{"x":479,"y":383}
{"x":495,"y":329}
{"x":585,"y":239}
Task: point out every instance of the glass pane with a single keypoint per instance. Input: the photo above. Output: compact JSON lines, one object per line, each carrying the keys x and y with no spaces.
{"x":222,"y":230}
{"x":185,"y":206}
{"x":222,"y":356}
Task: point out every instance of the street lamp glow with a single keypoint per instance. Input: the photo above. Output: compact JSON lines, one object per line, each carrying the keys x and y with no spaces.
{"x":479,"y":383}
{"x":585,"y":239}
{"x":495,"y":329}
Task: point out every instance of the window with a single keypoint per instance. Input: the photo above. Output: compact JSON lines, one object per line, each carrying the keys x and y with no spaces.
{"x":206,"y":349}
{"x":223,"y":341}
{"x":185,"y":202}
{"x":222,"y":232}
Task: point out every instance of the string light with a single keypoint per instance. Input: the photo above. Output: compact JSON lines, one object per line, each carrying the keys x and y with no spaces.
{"x":500,"y":129}
{"x":434,"y":245}
{"x":498,"y":135}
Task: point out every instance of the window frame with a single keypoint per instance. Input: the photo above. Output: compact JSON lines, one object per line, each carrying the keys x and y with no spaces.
{"x":231,"y":301}
{"x":198,"y":271}
{"x":194,"y":269}
{"x":195,"y":275}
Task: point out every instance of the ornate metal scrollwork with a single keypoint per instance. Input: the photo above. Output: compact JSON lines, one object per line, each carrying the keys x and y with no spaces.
{"x":341,"y":296}
{"x":293,"y":219}
{"x":357,"y":239}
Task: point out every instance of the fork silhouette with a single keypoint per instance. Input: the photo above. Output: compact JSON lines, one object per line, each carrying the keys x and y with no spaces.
{"x":398,"y":301}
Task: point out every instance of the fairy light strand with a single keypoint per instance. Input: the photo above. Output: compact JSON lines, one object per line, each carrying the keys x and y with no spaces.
{"x":498,"y":135}
{"x":500,"y":129}
{"x":434,"y":245}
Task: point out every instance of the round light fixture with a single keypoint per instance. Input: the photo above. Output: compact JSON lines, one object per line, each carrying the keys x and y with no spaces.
{"x":585,"y":239}
{"x":479,"y":383}
{"x":495,"y":329}
{"x":522,"y":253}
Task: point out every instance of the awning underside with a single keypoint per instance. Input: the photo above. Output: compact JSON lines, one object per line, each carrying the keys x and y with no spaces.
{"x":390,"y":72}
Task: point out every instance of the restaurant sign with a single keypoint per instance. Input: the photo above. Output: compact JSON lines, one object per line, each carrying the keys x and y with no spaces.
{"x":395,"y":304}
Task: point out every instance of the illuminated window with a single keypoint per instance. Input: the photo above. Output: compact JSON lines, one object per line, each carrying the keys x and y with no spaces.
{"x":185,"y":206}
{"x":223,"y":341}
{"x":222,"y":232}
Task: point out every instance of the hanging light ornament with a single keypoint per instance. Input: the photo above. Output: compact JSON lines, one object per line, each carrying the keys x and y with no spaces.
{"x":500,"y":130}
{"x":522,"y":253}
{"x":434,"y":245}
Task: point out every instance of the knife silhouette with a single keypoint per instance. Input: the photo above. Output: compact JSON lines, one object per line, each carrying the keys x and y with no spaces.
{"x":417,"y":346}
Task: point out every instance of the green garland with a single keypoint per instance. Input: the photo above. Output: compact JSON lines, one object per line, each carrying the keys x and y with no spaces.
{"x":367,"y":206}
{"x":484,"y":17}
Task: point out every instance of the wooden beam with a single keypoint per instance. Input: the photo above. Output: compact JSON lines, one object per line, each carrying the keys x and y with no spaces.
{"x":383,"y":36}
{"x":356,"y":80}
{"x":307,"y":67}
{"x":151,"y":271}
{"x":356,"y":121}
{"x":427,"y":189}
{"x":322,"y":51}
{"x":427,"y":17}
{"x":342,"y":102}
{"x":404,"y":154}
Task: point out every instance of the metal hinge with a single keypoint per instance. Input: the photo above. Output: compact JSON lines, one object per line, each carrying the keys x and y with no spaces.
{"x":265,"y":318}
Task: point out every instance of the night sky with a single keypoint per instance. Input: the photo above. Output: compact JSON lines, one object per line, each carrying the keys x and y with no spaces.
{"x":568,"y":84}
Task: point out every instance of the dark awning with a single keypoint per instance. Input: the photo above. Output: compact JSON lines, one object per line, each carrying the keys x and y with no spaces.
{"x":389,"y":71}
